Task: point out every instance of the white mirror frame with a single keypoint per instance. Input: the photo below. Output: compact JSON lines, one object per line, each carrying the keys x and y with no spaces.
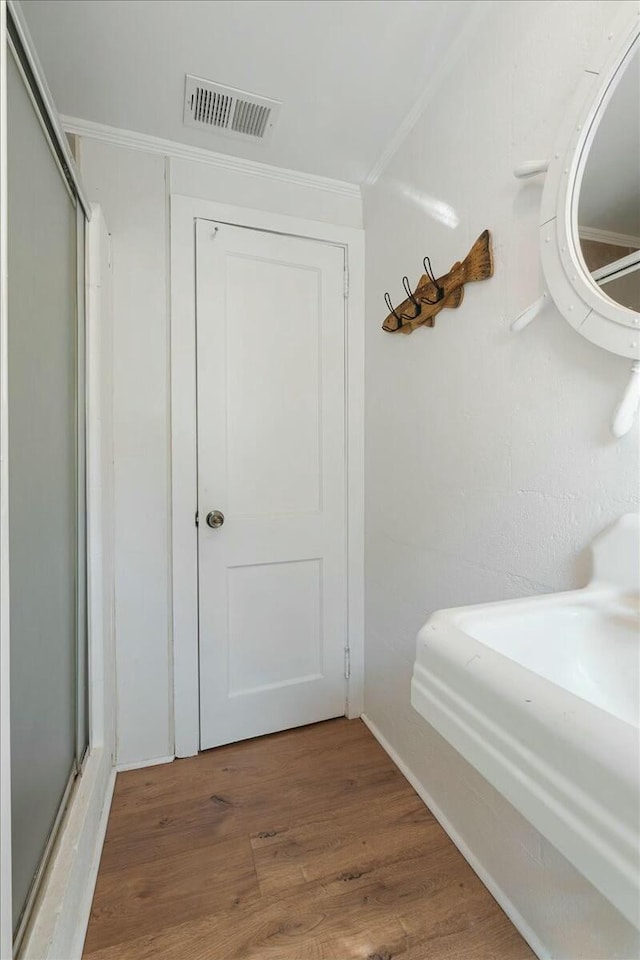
{"x":588,"y":309}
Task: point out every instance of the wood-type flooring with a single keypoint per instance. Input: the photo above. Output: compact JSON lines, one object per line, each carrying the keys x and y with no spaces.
{"x":303,"y":845}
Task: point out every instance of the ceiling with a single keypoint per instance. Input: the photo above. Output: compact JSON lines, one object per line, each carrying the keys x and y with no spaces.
{"x":347,"y":71}
{"x":610,"y":193}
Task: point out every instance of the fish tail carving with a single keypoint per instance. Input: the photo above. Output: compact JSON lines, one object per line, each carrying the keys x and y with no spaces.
{"x":478,"y":264}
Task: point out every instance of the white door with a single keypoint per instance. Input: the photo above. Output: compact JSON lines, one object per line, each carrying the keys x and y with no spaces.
{"x":271,"y":460}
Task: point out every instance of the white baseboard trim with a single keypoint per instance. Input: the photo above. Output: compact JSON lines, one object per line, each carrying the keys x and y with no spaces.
{"x":139,"y":764}
{"x":84,"y":906}
{"x":494,"y":889}
{"x":61,"y":913}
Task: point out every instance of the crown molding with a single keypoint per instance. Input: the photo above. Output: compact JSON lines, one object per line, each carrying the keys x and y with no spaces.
{"x":607,"y":236}
{"x":480,"y":10}
{"x":182,"y":151}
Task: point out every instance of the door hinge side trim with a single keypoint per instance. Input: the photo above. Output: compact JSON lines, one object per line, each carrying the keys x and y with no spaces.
{"x":197,"y":518}
{"x":346,"y":282}
{"x":347,"y":663}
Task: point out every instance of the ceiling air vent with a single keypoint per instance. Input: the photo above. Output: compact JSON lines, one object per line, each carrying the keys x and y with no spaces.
{"x":234,"y":113}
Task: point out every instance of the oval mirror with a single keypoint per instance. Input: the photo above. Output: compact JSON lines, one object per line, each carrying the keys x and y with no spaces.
{"x":608,"y":201}
{"x":590,"y":209}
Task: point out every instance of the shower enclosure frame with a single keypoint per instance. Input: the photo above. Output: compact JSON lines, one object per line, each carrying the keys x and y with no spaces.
{"x":90,"y":730}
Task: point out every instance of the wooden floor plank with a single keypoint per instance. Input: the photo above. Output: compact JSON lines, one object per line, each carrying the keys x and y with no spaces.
{"x":143,"y":897}
{"x":304,"y":845}
{"x":324,"y":846}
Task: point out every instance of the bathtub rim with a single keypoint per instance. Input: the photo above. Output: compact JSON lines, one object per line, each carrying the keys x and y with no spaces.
{"x":474,"y":696}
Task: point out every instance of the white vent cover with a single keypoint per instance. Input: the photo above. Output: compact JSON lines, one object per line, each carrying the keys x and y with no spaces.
{"x":226,"y":110}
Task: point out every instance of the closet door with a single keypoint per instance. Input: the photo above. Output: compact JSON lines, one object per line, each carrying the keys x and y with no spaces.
{"x":271,"y":477}
{"x":43,"y":487}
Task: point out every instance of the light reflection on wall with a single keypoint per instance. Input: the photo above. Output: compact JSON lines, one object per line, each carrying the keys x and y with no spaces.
{"x":436,"y":209}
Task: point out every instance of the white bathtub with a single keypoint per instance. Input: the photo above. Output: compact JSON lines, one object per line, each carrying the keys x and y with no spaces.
{"x":542,"y":697}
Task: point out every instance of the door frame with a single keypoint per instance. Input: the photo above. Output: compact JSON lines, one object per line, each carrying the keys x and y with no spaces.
{"x":184,"y":540}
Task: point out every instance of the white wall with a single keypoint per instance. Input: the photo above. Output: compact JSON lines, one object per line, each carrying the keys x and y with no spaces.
{"x":130,"y":187}
{"x":489,"y":463}
{"x":133,"y":189}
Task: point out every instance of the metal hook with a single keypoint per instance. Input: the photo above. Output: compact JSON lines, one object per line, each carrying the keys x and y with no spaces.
{"x":439,"y":290}
{"x":401,"y":317}
{"x":409,"y":293}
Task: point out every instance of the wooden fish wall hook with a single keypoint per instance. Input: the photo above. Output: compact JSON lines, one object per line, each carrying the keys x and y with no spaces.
{"x":432,"y":295}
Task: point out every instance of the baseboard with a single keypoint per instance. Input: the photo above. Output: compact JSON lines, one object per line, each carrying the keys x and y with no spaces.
{"x":139,"y":764}
{"x":61,"y":914}
{"x":494,"y":888}
{"x":84,"y":905}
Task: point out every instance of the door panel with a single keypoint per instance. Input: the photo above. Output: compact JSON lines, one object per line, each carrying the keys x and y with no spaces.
{"x":269,"y":603}
{"x":273,"y":444}
{"x":271,"y":457}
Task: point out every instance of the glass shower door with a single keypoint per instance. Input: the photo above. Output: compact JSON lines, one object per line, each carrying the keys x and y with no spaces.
{"x":48,"y":635}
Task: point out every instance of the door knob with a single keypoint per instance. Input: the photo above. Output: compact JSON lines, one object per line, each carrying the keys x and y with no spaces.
{"x":215,"y":519}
